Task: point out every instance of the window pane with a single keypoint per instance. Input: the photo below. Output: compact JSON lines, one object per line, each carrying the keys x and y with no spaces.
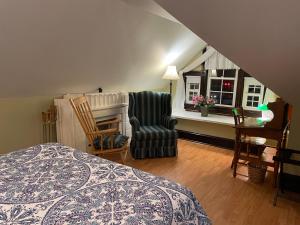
{"x":215,"y":85}
{"x":255,"y":104}
{"x":249,"y":104}
{"x":257,"y":89}
{"x":191,"y":86}
{"x":229,"y":73}
{"x":251,"y":89}
{"x":227,"y":98}
{"x":228,"y":85}
{"x":256,"y":98}
{"x":196,"y":86}
{"x":250,"y":98}
{"x":215,"y":96}
{"x":219,"y":73}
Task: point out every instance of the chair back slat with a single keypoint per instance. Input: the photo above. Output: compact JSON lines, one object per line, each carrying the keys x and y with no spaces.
{"x":85,"y":117}
{"x":238,"y":115}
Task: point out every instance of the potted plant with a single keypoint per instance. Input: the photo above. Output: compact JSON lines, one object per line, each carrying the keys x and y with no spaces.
{"x":203,"y":103}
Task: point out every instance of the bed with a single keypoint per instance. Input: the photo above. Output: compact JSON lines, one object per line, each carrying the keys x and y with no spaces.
{"x":55,"y":184}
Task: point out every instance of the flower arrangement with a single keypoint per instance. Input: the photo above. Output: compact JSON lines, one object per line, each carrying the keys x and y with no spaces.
{"x":201,"y":101}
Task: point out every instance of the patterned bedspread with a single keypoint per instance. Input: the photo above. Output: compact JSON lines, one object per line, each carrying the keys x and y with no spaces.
{"x":55,"y":184}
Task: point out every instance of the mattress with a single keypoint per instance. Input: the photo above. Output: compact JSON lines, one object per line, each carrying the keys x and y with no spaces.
{"x":56,"y":184}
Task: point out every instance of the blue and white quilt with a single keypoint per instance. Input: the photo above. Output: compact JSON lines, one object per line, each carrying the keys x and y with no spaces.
{"x":55,"y":184}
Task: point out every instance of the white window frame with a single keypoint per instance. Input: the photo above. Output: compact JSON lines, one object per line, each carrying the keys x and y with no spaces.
{"x":252,"y":81}
{"x":210,"y":77}
{"x":192,"y":80}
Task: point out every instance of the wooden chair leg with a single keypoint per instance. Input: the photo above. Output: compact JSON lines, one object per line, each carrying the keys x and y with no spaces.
{"x":277,"y":190}
{"x":276,"y":165}
{"x":260,"y":151}
{"x":237,"y":149}
{"x":123,"y":157}
{"x":276,"y":169}
{"x":236,"y":158}
{"x":248,"y":149}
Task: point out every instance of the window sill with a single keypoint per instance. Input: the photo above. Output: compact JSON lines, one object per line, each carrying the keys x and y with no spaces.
{"x":196,"y":116}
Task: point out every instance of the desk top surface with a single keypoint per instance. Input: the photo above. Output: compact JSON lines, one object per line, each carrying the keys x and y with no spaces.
{"x":251,"y":122}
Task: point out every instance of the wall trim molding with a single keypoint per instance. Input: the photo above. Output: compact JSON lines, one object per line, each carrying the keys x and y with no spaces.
{"x":207,"y":139}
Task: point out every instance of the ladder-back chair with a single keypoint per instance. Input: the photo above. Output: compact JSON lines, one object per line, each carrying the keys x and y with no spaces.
{"x":101,"y":141}
{"x":238,"y":115}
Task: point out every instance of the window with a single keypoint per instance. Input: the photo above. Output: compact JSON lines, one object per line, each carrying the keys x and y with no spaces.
{"x":192,"y":87}
{"x":253,"y":93}
{"x":222,"y":86}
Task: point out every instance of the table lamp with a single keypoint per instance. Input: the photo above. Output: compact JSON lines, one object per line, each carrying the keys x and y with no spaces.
{"x":266,"y":114}
{"x":171,"y":74}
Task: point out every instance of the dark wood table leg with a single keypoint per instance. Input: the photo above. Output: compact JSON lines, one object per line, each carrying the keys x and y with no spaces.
{"x":276,"y":164}
{"x":236,"y":152}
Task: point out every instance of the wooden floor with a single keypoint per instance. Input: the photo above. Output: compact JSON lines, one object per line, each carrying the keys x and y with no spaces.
{"x":227,"y":200}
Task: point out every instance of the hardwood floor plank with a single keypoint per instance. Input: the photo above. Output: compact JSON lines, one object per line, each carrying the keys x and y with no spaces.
{"x":228,"y":201}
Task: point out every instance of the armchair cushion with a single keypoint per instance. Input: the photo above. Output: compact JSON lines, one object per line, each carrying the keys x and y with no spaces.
{"x":154,"y":132}
{"x":118,"y":141}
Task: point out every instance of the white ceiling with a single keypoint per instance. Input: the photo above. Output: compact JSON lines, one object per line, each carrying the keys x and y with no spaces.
{"x":52,"y":47}
{"x":262,"y":37}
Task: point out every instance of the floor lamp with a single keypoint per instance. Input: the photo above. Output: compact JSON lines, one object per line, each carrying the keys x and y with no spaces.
{"x":171,"y":74}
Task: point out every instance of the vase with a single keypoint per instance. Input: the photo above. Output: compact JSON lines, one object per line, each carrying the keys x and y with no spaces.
{"x":204,"y":111}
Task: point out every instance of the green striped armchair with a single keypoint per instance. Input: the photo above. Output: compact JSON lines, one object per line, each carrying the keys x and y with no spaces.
{"x":153,"y":129}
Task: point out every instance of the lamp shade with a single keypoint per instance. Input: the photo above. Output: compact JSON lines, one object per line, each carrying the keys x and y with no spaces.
{"x":171,"y":73}
{"x":262,"y":107}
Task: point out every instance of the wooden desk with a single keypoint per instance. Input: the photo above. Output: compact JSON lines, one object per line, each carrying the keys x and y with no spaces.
{"x":256,"y":128}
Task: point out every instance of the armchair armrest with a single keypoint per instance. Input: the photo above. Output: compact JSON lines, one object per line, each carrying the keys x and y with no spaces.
{"x":135,"y":123}
{"x":169,"y":122}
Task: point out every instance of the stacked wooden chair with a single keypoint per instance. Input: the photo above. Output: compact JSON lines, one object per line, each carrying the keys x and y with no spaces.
{"x":103,"y":137}
{"x":246,"y":141}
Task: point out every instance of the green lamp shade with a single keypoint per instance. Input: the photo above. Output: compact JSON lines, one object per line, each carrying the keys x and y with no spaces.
{"x":262,"y":107}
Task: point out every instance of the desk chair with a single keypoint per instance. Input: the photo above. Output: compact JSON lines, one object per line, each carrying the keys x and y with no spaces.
{"x":238,"y":115}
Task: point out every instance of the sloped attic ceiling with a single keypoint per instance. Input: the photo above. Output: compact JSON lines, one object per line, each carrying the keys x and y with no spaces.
{"x":52,"y":47}
{"x":151,"y":7}
{"x":262,"y":37}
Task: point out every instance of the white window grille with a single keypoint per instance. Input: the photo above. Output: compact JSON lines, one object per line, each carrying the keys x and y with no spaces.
{"x":192,"y":88}
{"x":253,"y":93}
{"x":222,"y":86}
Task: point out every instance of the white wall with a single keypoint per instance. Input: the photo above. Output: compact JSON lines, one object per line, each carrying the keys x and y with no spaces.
{"x":20,"y":121}
{"x":54,"y":47}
